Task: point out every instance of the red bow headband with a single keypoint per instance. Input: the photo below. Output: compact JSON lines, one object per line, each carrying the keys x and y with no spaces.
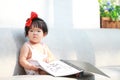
{"x":29,"y":21}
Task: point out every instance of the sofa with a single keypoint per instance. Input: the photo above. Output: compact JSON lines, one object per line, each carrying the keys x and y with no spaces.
{"x":98,"y":47}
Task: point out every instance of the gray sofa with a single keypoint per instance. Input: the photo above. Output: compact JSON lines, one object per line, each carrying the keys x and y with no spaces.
{"x":99,"y":47}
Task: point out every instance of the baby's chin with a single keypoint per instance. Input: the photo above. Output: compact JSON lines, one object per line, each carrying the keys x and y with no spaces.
{"x":34,"y":42}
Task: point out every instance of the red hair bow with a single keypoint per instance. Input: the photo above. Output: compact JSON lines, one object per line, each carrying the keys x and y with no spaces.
{"x":29,"y":21}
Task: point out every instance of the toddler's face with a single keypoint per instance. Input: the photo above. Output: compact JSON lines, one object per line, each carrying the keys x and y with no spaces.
{"x":35,"y":34}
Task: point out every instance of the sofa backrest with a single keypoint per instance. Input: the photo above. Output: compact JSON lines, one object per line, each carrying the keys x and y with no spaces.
{"x":100,"y":47}
{"x":10,"y":43}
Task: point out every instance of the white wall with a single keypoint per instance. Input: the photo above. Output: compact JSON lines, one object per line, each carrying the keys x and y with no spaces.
{"x":15,"y":12}
{"x":86,"y":14}
{"x":77,"y":13}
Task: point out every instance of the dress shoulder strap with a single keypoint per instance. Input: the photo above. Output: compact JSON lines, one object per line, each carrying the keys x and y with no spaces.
{"x":28,"y":45}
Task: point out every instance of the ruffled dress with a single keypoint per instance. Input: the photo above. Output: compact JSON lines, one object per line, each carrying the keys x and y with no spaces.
{"x":36,"y":56}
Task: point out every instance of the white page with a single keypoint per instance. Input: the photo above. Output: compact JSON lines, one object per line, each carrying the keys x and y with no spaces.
{"x":59,"y":68}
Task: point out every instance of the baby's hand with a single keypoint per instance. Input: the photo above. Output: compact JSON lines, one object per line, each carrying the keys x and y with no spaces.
{"x":46,"y":60}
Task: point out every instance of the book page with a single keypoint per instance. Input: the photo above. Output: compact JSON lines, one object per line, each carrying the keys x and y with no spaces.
{"x":58,"y":68}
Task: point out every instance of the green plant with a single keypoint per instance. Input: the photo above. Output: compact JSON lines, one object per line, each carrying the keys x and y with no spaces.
{"x":109,"y":8}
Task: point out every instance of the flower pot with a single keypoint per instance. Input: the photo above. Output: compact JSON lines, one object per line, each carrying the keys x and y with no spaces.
{"x":106,"y":22}
{"x":105,"y":19}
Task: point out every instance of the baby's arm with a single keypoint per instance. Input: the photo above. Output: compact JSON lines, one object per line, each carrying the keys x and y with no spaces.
{"x":50,"y":57}
{"x":23,"y":58}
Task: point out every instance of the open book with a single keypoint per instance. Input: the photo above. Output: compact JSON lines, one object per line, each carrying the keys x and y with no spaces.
{"x":59,"y":68}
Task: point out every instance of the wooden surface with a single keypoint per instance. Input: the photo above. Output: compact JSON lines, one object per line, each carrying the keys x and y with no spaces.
{"x":108,"y":23}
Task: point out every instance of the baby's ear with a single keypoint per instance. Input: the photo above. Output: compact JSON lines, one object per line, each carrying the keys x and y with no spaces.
{"x":44,"y":34}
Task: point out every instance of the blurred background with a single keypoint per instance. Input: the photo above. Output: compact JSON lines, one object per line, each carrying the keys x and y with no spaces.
{"x":81,"y":14}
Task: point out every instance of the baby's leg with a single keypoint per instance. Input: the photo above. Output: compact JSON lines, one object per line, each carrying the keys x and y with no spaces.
{"x":41,"y":72}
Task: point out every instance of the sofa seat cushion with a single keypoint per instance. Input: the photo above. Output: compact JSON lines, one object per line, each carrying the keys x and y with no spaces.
{"x":112,"y":71}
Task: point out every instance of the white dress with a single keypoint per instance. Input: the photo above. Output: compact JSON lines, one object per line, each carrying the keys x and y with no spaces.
{"x":36,"y":56}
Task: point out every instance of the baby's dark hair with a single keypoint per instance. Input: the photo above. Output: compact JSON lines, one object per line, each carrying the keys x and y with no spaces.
{"x":39,"y":23}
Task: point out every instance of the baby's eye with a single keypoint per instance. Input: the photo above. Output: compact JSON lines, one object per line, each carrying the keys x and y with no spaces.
{"x":31,"y":30}
{"x":38,"y":31}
